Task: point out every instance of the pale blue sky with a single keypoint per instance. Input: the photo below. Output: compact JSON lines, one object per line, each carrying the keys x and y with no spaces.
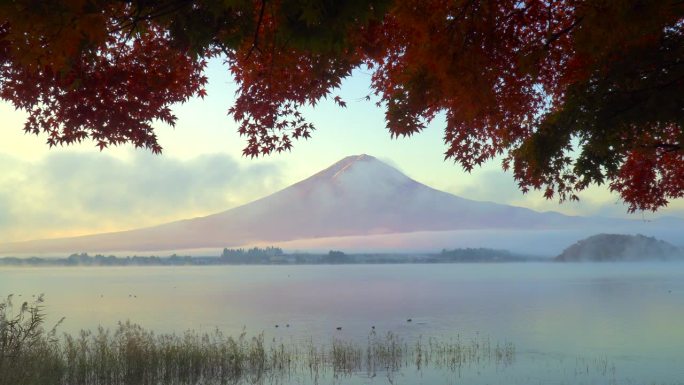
{"x":78,"y":189}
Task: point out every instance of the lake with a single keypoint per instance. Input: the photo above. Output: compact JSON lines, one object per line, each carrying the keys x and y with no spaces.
{"x":617,"y":323}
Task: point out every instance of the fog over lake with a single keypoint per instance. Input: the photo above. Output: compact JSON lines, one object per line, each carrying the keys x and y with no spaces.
{"x":619,"y":323}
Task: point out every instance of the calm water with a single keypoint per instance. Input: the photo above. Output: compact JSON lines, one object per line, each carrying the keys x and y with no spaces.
{"x":570,"y":323}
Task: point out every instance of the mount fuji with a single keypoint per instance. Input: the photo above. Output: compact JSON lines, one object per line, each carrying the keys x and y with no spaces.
{"x":359,"y":198}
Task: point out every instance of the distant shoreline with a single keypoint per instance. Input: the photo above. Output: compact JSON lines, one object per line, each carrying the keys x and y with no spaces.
{"x":276,"y":256}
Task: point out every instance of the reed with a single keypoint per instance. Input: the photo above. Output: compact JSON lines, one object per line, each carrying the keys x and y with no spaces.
{"x":132,"y":355}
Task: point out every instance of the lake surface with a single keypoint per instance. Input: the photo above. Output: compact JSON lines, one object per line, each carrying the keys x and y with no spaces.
{"x":569,"y":323}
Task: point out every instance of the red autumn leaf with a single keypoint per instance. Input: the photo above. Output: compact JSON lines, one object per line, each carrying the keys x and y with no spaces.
{"x":570,"y":93}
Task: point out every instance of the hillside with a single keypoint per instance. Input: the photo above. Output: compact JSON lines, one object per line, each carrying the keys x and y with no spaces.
{"x":619,"y":247}
{"x":358,"y":196}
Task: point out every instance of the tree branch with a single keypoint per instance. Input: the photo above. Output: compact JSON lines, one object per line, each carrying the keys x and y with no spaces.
{"x":557,"y":35}
{"x":255,"y":42}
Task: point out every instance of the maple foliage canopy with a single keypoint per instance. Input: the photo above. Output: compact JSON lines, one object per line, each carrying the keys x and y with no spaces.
{"x":568,"y":92}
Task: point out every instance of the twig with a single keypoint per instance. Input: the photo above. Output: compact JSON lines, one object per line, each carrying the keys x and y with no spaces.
{"x":256,"y":31}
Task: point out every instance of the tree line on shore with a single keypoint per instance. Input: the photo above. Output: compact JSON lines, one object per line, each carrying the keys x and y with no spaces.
{"x":270,"y":256}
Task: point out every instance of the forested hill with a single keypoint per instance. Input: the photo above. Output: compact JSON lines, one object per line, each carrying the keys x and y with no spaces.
{"x":620,"y":247}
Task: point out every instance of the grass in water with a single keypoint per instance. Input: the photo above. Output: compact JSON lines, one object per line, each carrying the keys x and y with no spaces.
{"x":30,"y":354}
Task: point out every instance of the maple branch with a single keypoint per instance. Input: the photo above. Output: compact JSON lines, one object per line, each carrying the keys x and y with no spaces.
{"x":629,"y":106}
{"x":557,"y":35}
{"x":167,"y":9}
{"x":652,"y":87}
{"x":255,"y":42}
{"x":668,"y":147}
{"x":516,"y":12}
{"x":134,"y":24}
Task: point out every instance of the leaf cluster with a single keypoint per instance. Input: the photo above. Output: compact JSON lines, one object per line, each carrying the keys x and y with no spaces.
{"x":569,"y":93}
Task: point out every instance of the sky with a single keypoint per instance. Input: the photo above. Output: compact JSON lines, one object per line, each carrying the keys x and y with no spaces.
{"x":75,"y":190}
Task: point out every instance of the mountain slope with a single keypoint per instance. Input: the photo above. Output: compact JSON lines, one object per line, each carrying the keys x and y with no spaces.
{"x":359,"y":195}
{"x":619,"y":247}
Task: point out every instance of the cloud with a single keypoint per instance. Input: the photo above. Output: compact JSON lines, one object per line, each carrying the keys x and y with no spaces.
{"x":500,"y":187}
{"x":79,"y":193}
{"x":494,"y":186}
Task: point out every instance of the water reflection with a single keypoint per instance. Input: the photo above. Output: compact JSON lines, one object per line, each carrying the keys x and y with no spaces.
{"x":561,"y":318}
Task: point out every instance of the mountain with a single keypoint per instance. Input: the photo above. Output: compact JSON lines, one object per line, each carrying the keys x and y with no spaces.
{"x":620,"y":247}
{"x":359,"y":196}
